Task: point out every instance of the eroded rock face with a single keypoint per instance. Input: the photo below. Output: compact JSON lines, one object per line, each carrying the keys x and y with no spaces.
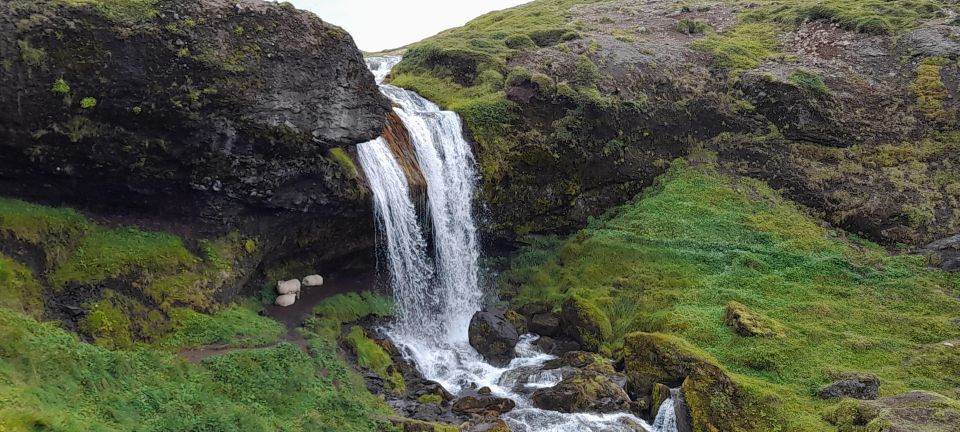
{"x":494,"y":337}
{"x":200,"y":117}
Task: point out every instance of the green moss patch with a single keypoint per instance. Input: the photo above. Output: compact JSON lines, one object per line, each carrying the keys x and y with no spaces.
{"x":372,"y":356}
{"x":672,"y":259}
{"x":19,"y":290}
{"x":51,"y":229}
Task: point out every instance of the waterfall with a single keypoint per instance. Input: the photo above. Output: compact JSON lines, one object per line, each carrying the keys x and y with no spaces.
{"x":666,"y":420}
{"x":436,"y":295}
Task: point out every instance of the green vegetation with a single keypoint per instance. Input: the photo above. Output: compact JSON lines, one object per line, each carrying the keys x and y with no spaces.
{"x":673,"y":259}
{"x":929,"y":88}
{"x":344,"y":308}
{"x":110,"y":252}
{"x":341,"y":158}
{"x":30,"y":55}
{"x":88,"y":102}
{"x":691,"y":26}
{"x":126,"y":11}
{"x":49,"y":380}
{"x":60,"y":87}
{"x":18,"y":289}
{"x":809,"y":81}
{"x":235,"y":326}
{"x":743,"y":47}
{"x":371,"y":355}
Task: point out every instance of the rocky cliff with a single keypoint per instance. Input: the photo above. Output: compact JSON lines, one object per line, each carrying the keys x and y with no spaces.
{"x":214,"y":114}
{"x":850,"y":109}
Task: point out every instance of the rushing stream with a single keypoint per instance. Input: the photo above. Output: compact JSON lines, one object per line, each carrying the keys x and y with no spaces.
{"x":437,"y":294}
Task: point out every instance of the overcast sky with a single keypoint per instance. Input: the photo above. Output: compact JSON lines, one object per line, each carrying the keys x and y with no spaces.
{"x":382,"y":24}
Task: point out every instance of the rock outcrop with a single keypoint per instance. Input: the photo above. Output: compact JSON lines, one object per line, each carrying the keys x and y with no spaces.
{"x":197,"y":117}
{"x":494,"y":337}
{"x":582,"y":321}
{"x":908,"y":412}
{"x":856,"y":386}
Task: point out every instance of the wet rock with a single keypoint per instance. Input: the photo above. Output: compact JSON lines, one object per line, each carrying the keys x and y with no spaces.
{"x":581,"y":360}
{"x":659,"y":394}
{"x":493,"y":337}
{"x":858,"y":386}
{"x":519,"y":321}
{"x":585,"y":323}
{"x":557,"y":346}
{"x":484,"y":391}
{"x":486,"y":426}
{"x":584,"y":391}
{"x":484,"y":406}
{"x":748,"y":323}
{"x":908,"y":412}
{"x":545,"y":324}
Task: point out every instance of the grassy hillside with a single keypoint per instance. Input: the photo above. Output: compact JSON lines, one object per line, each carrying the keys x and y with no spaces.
{"x":671,"y":261}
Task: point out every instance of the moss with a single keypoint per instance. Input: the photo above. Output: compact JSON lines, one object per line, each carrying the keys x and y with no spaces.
{"x":88,"y":102}
{"x":748,"y":323}
{"x":929,"y":88}
{"x":345,"y":162}
{"x":19,"y":290}
{"x":587,"y":323}
{"x":108,"y":253}
{"x":586,"y":73}
{"x":30,"y":55}
{"x":518,"y":76}
{"x":124,"y":11}
{"x":53,"y":230}
{"x":520,"y":42}
{"x":743,"y":47}
{"x":430,"y":398}
{"x":249,"y":246}
{"x":372,"y":356}
{"x":60,"y":87}
{"x":691,"y":27}
{"x":107,"y":324}
{"x":809,"y":81}
{"x":334,"y":311}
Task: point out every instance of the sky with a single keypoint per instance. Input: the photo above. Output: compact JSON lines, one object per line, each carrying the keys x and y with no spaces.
{"x":377,"y":25}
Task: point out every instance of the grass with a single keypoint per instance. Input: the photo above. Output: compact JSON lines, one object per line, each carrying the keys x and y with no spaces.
{"x":51,"y":229}
{"x":18,"y":288}
{"x":672,"y":259}
{"x":110,"y":252}
{"x":235,"y":326}
{"x":373,"y":356}
{"x":809,"y":81}
{"x":49,"y":380}
{"x":334,"y":311}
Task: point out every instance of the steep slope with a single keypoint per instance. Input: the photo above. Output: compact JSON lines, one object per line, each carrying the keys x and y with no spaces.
{"x":849,"y":106}
{"x":685,"y":259}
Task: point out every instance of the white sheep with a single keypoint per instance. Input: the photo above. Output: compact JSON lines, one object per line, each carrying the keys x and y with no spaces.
{"x":291,"y":286}
{"x":313,"y":280}
{"x":286,"y":300}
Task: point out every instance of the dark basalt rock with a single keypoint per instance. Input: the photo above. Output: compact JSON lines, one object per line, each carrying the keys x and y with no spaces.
{"x":483,"y":405}
{"x":202,"y":118}
{"x":494,"y":337}
{"x":944,"y":253}
{"x":545,"y":324}
{"x":860,"y":386}
{"x":583,"y":391}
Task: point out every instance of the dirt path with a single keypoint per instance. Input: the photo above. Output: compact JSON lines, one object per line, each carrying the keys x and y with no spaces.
{"x":293,"y":316}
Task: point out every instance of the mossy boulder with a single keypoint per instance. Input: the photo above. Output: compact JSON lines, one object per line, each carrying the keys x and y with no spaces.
{"x":714,"y":399}
{"x":856,"y":386}
{"x":518,"y":321}
{"x":918,"y":411}
{"x":584,"y":322}
{"x":493,"y":336}
{"x":583,"y":391}
{"x":748,"y":323}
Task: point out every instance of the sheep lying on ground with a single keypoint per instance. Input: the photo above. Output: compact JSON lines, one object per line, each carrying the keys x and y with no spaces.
{"x":291,"y":286}
{"x":286,"y":300}
{"x":313,"y":280}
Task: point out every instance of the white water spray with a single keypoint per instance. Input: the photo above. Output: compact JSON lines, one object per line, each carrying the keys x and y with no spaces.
{"x":436,"y":296}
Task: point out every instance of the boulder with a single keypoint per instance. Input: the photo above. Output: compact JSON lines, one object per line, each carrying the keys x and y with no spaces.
{"x":486,"y":426}
{"x":581,"y":360}
{"x":493,"y":337}
{"x":483,"y":405}
{"x":286,"y":300}
{"x":944,"y":253}
{"x":313,"y":280}
{"x":585,"y":323}
{"x":748,"y":323}
{"x":857,"y":386}
{"x":557,"y":346}
{"x":583,"y":391}
{"x":545,"y":324}
{"x":908,"y":412}
{"x":653,"y":358}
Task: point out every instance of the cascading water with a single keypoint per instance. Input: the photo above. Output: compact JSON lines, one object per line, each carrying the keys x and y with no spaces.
{"x":666,"y":420}
{"x":436,"y":296}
